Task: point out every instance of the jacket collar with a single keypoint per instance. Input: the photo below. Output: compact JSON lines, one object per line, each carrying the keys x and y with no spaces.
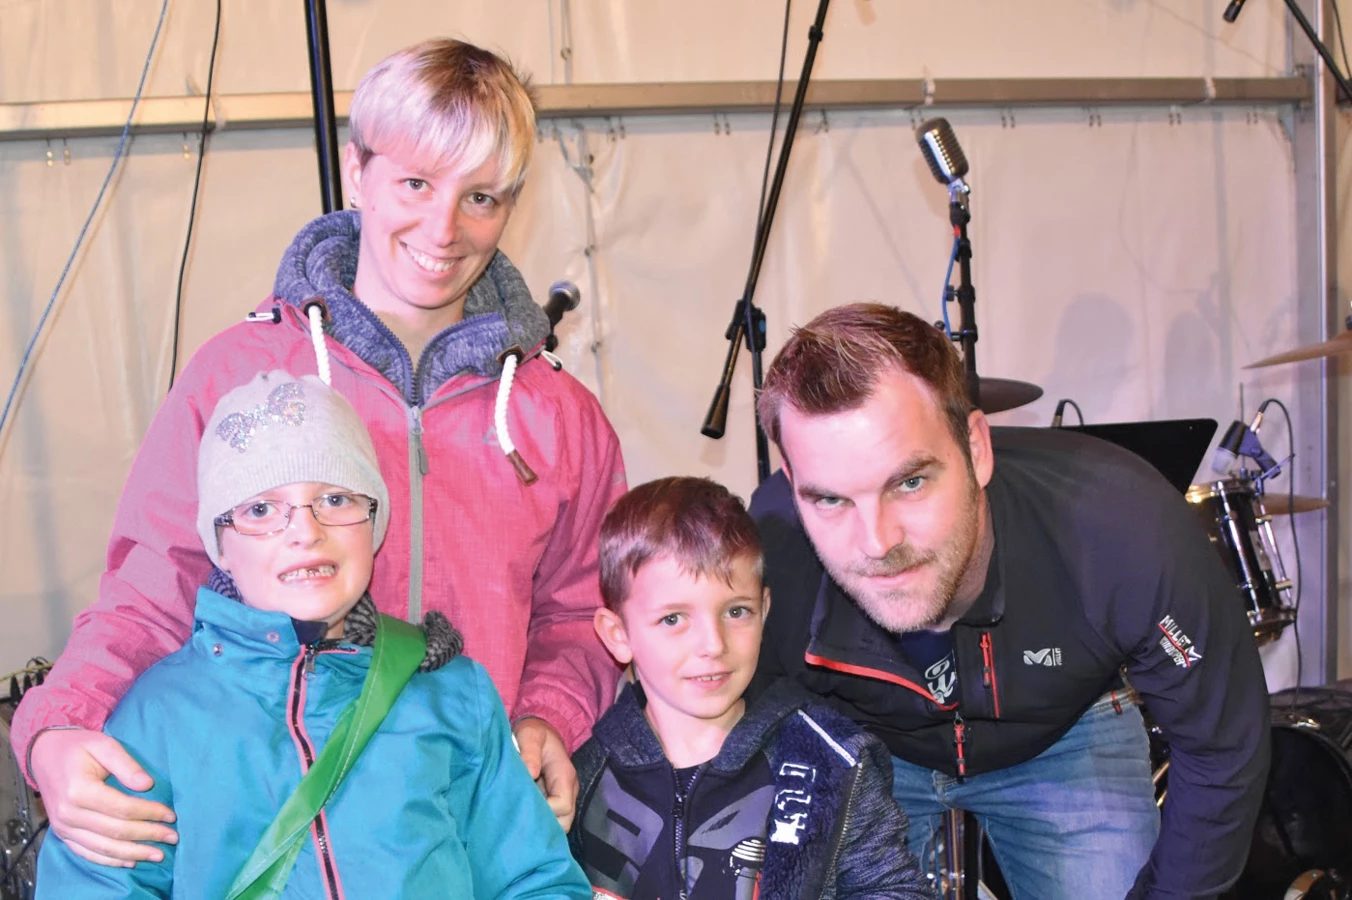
{"x":444,"y":642}
{"x":627,"y":737}
{"x":499,"y":311}
{"x":260,"y":632}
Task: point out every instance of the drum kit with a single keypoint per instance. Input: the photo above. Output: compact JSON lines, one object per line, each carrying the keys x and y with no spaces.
{"x":1301,"y":848}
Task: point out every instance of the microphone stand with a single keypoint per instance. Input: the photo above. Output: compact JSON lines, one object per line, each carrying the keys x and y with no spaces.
{"x":748,"y":322}
{"x":959,"y":215}
{"x":1321,"y":48}
{"x":321,"y":90}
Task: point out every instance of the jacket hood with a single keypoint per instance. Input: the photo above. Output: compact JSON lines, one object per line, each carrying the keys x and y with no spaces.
{"x":629,"y":739}
{"x":499,"y":312}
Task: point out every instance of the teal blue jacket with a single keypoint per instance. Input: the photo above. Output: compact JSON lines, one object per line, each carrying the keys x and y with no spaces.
{"x":439,"y":803}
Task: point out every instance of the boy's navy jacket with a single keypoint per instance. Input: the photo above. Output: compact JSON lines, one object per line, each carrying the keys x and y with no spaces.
{"x":833,"y":829}
{"x":438,"y":804}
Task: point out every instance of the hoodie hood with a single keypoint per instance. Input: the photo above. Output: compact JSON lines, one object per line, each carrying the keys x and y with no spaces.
{"x":499,"y":312}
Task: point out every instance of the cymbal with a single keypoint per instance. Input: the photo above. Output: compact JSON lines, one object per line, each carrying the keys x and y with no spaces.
{"x":1000,"y":394}
{"x":1332,"y":347}
{"x":1280,"y":503}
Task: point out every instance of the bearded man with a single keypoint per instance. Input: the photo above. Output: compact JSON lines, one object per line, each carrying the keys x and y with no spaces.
{"x":974,"y":597}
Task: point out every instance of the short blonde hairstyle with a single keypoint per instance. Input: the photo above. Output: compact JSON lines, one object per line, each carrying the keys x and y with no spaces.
{"x":451,"y":101}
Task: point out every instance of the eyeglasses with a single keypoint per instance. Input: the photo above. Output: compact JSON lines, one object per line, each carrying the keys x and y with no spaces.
{"x":260,"y":518}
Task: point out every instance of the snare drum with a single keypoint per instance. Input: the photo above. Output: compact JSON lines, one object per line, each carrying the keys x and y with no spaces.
{"x":1241,"y":531}
{"x":22,"y":822}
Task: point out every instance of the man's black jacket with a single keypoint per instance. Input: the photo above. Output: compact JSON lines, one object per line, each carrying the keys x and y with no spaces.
{"x":1099,"y":564}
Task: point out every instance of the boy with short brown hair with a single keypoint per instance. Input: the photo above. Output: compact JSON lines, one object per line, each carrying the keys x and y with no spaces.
{"x":688,"y":790}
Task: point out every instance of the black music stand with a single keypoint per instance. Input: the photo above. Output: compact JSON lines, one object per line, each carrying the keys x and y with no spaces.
{"x":1176,"y":447}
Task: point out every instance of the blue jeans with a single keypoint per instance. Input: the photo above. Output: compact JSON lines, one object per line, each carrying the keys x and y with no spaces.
{"x":1078,"y":821}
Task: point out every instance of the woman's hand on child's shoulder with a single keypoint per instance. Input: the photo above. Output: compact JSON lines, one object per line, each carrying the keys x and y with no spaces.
{"x":97,"y":821}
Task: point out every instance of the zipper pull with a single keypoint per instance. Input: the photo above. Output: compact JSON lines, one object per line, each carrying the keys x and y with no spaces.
{"x":310,"y":651}
{"x":960,"y":744}
{"x":415,"y":433}
{"x":987,"y":659}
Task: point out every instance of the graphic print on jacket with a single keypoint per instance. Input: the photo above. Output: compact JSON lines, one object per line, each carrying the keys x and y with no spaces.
{"x":657,"y":833}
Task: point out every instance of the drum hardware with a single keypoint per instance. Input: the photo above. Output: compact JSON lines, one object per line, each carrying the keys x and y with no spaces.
{"x":1240,"y":529}
{"x":1301,"y":848}
{"x":956,"y":853}
{"x":23,"y":821}
{"x":1295,"y":720}
{"x":1314,"y":885}
{"x":1159,"y":778}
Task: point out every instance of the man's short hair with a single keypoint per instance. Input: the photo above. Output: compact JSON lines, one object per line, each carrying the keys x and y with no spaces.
{"x":697,"y":522}
{"x":450,"y":101}
{"x":833,"y":363}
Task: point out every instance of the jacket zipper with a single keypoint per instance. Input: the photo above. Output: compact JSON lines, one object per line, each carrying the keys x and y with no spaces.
{"x":417,"y":468}
{"x":305,"y":666}
{"x":417,"y":453}
{"x":678,"y":825}
{"x":988,"y":669}
{"x":847,"y":820}
{"x":960,"y":744}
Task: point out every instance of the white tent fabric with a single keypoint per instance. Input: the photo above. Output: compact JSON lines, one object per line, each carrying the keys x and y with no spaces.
{"x":1133,"y":262}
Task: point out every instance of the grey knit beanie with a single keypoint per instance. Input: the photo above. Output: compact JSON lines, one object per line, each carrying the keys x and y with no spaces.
{"x":278,"y":430}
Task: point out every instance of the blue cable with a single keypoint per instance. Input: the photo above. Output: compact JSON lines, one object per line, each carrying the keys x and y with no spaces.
{"x":948,"y":279}
{"x":117,"y":157}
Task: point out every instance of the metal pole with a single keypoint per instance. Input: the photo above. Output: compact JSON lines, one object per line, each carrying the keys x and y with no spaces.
{"x":1318,"y":318}
{"x":321,"y":89}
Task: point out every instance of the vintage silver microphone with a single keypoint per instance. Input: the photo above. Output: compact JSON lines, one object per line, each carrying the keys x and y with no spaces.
{"x":941,"y":150}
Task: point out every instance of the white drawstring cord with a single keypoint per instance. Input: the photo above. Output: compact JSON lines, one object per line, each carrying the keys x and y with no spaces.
{"x":511,"y":359}
{"x":500,"y":407}
{"x":315,"y":311}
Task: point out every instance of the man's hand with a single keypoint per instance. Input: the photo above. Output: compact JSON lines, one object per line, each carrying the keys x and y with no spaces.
{"x":546,"y":758}
{"x":99,"y":822}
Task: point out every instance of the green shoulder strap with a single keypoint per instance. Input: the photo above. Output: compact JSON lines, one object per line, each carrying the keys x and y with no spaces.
{"x":399,"y":650}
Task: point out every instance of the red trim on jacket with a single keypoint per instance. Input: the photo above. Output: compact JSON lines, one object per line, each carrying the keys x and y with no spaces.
{"x":878,"y":674}
{"x":988,"y":668}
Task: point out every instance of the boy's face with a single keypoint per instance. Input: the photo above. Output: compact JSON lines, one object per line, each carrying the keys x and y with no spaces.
{"x":693,"y":641}
{"x":312,"y":572}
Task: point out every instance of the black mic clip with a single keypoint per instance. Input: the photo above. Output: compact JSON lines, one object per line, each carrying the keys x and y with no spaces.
{"x":1251,"y":447}
{"x":1242,"y":440}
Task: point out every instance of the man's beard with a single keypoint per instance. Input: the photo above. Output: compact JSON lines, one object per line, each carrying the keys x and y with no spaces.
{"x":905,"y":609}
